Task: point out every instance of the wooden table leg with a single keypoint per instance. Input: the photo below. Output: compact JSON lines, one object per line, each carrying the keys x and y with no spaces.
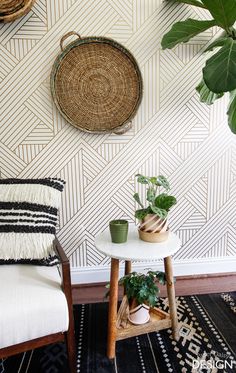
{"x":112,"y":313}
{"x":127,"y":267}
{"x":171,"y":296}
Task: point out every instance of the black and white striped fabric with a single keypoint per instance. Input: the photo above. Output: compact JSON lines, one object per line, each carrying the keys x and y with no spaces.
{"x":28,"y":219}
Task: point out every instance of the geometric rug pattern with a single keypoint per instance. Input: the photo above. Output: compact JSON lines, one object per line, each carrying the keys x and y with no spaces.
{"x":207,"y":342}
{"x":172,"y":134}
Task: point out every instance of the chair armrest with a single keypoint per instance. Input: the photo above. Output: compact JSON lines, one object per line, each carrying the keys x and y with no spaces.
{"x":59,"y":251}
{"x":66,"y":285}
{"x":66,"y":278}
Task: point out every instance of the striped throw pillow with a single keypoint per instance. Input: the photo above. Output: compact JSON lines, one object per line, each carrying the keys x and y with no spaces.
{"x":28,"y":220}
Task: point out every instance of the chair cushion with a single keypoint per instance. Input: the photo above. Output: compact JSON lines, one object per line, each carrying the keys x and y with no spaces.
{"x":32,"y":303}
{"x":28,"y":219}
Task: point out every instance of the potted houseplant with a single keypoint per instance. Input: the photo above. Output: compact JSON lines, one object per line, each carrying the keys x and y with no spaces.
{"x":142,"y":293}
{"x":153,"y":217}
{"x":219,"y":73}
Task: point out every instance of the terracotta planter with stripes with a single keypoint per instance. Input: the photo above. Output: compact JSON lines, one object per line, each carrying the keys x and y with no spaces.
{"x":153,"y":229}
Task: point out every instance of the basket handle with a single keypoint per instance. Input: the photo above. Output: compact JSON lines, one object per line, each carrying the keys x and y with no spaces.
{"x":123,"y":128}
{"x":70,"y":33}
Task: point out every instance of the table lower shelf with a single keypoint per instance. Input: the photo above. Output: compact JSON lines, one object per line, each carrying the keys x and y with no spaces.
{"x":125,"y":329}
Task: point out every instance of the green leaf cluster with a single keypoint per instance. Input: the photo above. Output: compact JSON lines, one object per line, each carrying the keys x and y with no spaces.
{"x":158,"y":204}
{"x":219,"y":73}
{"x":143,"y":287}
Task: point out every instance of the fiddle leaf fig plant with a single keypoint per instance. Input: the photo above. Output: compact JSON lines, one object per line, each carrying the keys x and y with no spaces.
{"x":219,"y":73}
{"x":158,"y":204}
{"x":206,"y":95}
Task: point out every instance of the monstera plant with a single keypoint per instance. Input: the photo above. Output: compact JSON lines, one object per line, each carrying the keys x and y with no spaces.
{"x":219,"y":73}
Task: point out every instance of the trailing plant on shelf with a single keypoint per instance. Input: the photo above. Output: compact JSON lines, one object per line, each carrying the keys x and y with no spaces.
{"x":153,"y":217}
{"x":219,"y":73}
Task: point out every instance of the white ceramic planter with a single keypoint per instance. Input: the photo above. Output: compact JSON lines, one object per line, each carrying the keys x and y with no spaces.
{"x":139,"y":315}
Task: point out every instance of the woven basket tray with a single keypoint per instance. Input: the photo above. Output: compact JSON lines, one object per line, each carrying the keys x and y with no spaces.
{"x":13,"y":9}
{"x":96,"y":84}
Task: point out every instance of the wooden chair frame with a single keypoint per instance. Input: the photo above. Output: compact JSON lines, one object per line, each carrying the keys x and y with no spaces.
{"x":69,"y":336}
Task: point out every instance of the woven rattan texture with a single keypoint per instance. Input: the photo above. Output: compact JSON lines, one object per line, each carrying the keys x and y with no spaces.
{"x":10,"y":6}
{"x":97,"y":85}
{"x":13,"y":9}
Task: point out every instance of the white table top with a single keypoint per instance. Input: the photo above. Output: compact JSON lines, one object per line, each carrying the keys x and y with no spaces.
{"x":136,"y":249}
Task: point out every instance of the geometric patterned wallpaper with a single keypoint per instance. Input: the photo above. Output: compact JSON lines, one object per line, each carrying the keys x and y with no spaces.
{"x":172,"y":134}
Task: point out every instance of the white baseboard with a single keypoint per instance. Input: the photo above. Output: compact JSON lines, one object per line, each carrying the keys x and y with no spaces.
{"x":88,"y":275}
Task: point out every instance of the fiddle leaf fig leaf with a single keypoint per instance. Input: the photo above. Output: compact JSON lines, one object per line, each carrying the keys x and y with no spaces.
{"x":219,"y":72}
{"x":183,"y":31}
{"x":192,"y":2}
{"x":207,"y":96}
{"x":231,"y":112}
{"x":137,"y":199}
{"x":216,"y":44}
{"x":223,"y":11}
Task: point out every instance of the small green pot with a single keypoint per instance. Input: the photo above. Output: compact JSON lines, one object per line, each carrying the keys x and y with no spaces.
{"x":119,"y":230}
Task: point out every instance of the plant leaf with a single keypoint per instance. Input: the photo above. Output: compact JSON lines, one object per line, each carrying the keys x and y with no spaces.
{"x":150,"y":194}
{"x":161,"y":277}
{"x":165,"y":202}
{"x":160,"y":212}
{"x":143,"y":287}
{"x":217,"y":43}
{"x":140,"y":214}
{"x":223,"y":11}
{"x":162,"y":181}
{"x":152,"y":299}
{"x":183,"y":31}
{"x":137,"y":199}
{"x":207,"y":96}
{"x":142,"y":179}
{"x":153,"y":180}
{"x":231,"y":112}
{"x":192,"y":2}
{"x":219,"y":72}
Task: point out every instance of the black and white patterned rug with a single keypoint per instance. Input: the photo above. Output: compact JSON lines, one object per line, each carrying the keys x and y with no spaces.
{"x":207,"y":342}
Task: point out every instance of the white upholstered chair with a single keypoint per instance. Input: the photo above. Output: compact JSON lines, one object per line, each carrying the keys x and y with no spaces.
{"x":36,"y":307}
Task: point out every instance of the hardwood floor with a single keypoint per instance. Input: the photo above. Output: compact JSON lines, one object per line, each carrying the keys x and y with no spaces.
{"x":188,"y":285}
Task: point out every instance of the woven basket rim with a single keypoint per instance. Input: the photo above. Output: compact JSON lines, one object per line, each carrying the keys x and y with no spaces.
{"x":19,"y":13}
{"x":103,"y":40}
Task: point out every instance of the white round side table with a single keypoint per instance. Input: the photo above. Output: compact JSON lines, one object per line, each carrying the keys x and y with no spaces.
{"x":138,"y":250}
